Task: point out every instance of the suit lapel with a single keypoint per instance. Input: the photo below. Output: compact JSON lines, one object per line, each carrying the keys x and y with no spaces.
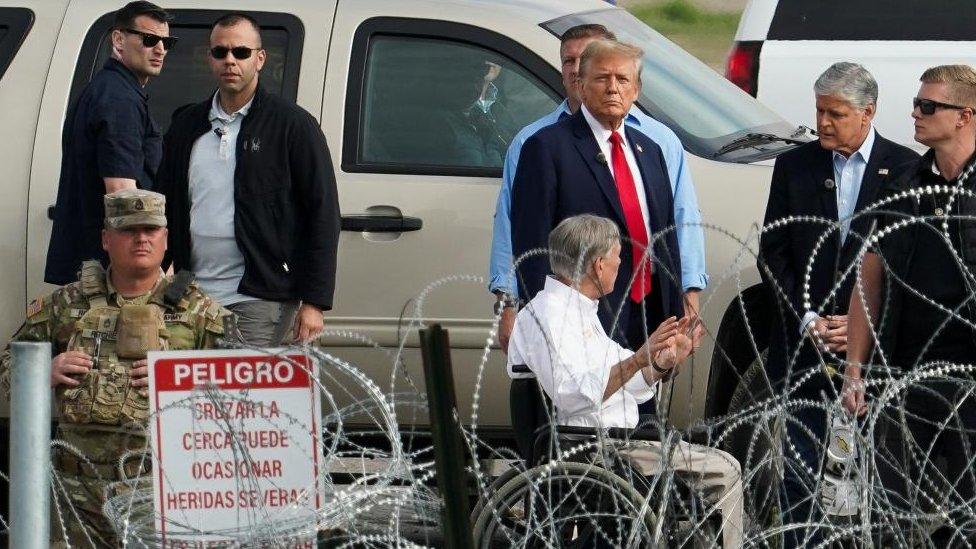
{"x":590,"y":152}
{"x":875,"y":174}
{"x":658,"y":194}
{"x":821,"y":170}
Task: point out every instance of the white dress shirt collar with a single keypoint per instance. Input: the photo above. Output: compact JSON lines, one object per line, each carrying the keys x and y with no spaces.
{"x":601,"y":133}
{"x":567,"y":295}
{"x":632,"y":119}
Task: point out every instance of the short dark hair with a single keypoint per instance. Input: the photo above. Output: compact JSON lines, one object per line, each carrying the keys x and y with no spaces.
{"x":592,"y":30}
{"x":125,"y":17}
{"x":234,"y":18}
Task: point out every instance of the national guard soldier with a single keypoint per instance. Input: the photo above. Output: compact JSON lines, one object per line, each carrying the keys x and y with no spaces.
{"x":101,"y":328}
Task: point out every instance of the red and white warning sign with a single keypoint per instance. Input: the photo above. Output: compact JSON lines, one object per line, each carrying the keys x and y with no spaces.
{"x":236,"y":447}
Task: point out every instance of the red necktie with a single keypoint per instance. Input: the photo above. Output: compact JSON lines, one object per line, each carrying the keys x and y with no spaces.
{"x":636,"y":228}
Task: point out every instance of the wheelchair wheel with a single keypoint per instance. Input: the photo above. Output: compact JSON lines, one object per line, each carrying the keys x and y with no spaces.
{"x":502,"y":480}
{"x":683,"y":515}
{"x":566,"y":505}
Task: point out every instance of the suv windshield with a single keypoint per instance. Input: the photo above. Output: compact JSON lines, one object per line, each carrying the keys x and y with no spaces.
{"x":706,"y":111}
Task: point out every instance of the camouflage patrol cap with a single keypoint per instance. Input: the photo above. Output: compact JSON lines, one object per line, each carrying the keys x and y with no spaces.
{"x":131,"y":207}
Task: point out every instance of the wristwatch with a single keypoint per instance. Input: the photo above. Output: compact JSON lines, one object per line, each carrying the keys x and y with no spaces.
{"x":504,"y":301}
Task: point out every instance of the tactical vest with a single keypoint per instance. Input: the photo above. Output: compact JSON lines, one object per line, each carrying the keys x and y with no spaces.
{"x":115,"y":337}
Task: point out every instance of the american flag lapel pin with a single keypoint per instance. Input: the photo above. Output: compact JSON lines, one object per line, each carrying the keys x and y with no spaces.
{"x":638,"y":147}
{"x":883,"y":171}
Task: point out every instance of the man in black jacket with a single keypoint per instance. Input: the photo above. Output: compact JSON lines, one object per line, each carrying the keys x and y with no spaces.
{"x":253,"y":210}
{"x":916,"y":316}
{"x":110,"y":141}
{"x":832,"y":178}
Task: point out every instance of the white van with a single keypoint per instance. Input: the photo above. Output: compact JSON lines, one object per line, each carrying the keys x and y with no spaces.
{"x":782,"y":46}
{"x":413,"y":213}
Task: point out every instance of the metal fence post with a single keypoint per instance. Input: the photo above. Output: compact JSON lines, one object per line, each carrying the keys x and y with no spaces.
{"x":449,"y":455}
{"x":30,"y":445}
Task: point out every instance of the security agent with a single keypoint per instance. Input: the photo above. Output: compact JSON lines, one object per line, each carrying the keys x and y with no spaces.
{"x":834,"y":177}
{"x":253,"y":210}
{"x":917,"y":294}
{"x":110,"y":140}
{"x":101,"y":329}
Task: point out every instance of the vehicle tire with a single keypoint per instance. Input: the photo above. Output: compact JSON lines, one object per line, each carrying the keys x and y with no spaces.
{"x":754,"y":437}
{"x":742,"y":336}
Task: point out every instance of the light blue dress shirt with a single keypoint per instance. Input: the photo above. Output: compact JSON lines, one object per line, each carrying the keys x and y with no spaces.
{"x":691,"y":238}
{"x":848,"y":173}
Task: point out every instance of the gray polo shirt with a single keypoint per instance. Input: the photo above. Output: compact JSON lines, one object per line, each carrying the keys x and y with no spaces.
{"x":216,"y":259}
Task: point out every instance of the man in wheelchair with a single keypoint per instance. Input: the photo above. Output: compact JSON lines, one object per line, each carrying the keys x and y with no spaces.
{"x":592,"y":381}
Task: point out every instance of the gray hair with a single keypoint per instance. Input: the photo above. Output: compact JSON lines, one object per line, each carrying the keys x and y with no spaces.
{"x":850,"y":82}
{"x":578,"y":241}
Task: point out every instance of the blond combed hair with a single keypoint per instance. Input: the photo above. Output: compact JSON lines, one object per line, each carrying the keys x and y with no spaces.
{"x":600,"y":49}
{"x":960,"y":80}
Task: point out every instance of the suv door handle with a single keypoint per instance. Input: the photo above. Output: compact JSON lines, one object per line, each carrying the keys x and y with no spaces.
{"x":364,"y":223}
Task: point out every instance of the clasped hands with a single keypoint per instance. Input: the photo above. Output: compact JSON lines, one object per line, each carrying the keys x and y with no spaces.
{"x":671,"y":344}
{"x":829,"y":333}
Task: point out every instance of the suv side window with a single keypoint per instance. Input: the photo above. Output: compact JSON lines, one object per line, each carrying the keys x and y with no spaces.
{"x":15,"y":23}
{"x":432,"y":104}
{"x":186,"y":78}
{"x":872,"y":20}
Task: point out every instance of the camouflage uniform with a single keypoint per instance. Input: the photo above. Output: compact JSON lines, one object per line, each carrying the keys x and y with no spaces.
{"x":105,"y":416}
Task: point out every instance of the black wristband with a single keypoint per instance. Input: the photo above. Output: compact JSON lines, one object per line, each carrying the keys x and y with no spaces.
{"x":661,"y":371}
{"x":666,"y":375}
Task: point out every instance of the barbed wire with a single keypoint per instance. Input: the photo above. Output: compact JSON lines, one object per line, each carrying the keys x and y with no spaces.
{"x":377,"y":475}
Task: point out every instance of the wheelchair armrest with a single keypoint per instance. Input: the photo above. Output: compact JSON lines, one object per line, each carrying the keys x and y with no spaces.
{"x":575,"y":431}
{"x":649,"y":432}
{"x":699,"y":436}
{"x":645,"y":433}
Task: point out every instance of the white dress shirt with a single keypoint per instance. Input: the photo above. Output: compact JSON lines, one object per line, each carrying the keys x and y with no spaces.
{"x":848,"y":174}
{"x":559,"y":337}
{"x":602,"y":136}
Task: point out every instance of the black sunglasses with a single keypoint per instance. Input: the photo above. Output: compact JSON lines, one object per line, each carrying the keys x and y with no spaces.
{"x":927,"y":106}
{"x":240,"y":52}
{"x":150,"y":40}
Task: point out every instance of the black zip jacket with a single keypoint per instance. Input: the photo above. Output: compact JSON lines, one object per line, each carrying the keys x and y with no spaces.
{"x":286,"y":216}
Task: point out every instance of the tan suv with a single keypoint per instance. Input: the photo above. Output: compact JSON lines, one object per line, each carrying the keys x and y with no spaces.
{"x":415,"y":209}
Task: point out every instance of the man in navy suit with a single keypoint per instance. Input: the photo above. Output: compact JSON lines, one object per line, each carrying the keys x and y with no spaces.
{"x":592,"y":163}
{"x":833,"y":178}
